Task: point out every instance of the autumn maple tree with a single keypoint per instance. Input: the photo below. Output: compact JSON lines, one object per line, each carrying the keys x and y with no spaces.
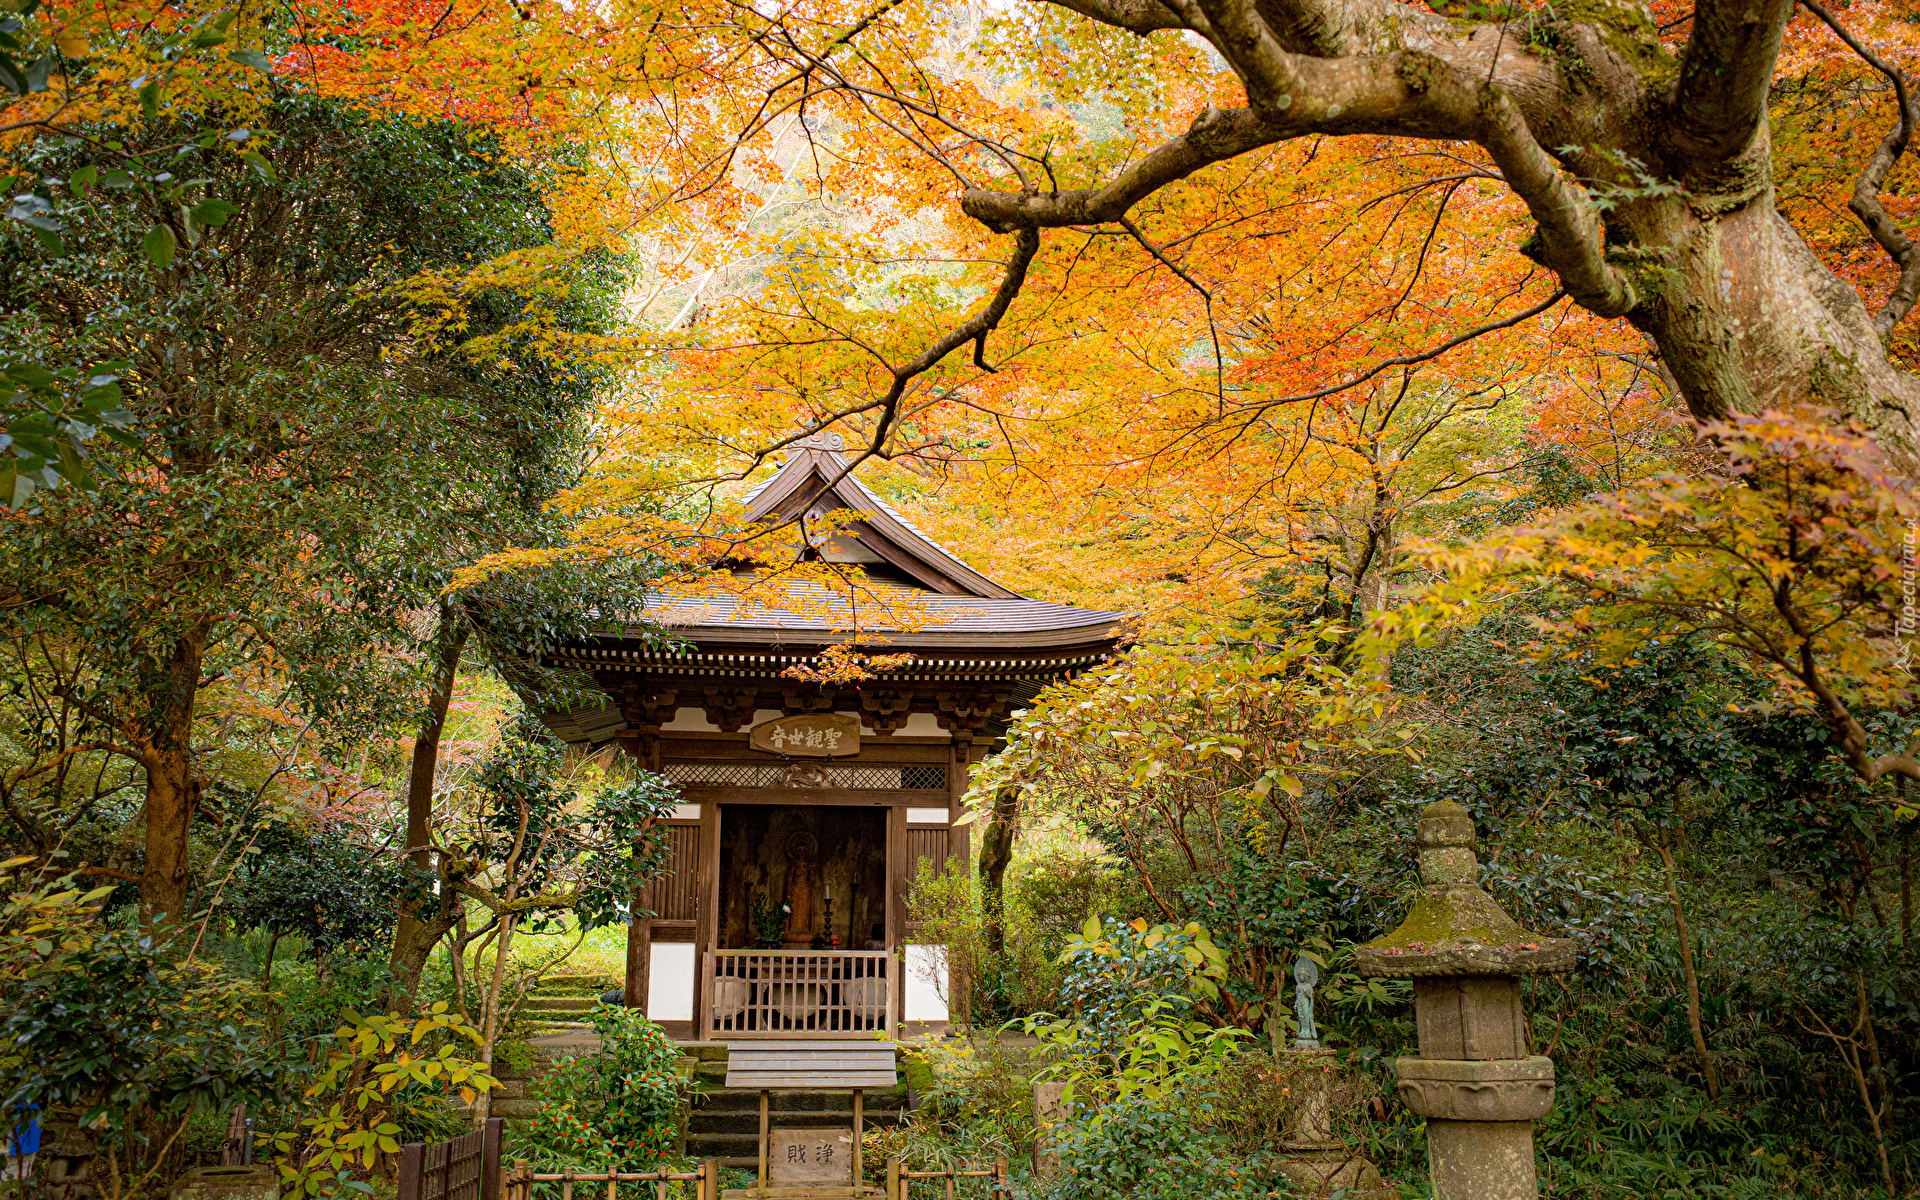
{"x":1179,"y":295}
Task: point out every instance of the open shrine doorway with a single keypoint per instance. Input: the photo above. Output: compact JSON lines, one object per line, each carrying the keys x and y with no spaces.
{"x":797,"y":883}
{"x":800,"y":877}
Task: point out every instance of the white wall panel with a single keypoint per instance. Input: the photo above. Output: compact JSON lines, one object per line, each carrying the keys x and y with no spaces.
{"x":670,"y":982}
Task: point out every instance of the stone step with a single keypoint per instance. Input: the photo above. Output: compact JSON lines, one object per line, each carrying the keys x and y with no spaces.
{"x":540,"y":1003}
{"x":590,"y":984}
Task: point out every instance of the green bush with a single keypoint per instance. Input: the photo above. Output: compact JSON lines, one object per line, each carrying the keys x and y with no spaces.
{"x":1176,"y":1146}
{"x":113,"y":1036}
{"x":614,"y":1110}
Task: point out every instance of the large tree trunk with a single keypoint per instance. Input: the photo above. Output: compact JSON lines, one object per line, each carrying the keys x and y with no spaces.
{"x":410,"y":960}
{"x":1649,"y":177}
{"x":996,"y":851}
{"x":450,"y":642}
{"x":1746,"y":318}
{"x":173,"y":791}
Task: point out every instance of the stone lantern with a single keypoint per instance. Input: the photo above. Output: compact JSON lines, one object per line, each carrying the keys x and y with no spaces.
{"x":1473,"y":1081}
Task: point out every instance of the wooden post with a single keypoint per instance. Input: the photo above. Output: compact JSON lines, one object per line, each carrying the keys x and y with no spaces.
{"x":765,"y":1134}
{"x":710,"y":1179}
{"x":959,"y":970}
{"x":234,"y":1152}
{"x":705,"y":935}
{"x":490,"y":1158}
{"x":859,"y":1095}
{"x":893,"y":1179}
{"x":897,"y":881}
{"x":999,"y":1186}
{"x":639,"y":955}
{"x":959,"y":765}
{"x":412,"y":1164}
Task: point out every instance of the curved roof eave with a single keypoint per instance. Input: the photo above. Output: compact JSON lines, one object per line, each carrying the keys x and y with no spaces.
{"x":1096,"y":633}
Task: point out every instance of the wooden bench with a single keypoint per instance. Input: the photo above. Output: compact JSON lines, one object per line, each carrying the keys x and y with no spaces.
{"x":810,"y":1066}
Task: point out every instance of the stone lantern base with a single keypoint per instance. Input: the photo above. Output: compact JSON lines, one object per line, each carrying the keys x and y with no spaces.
{"x":1317,"y":1163}
{"x":1320,"y":1172}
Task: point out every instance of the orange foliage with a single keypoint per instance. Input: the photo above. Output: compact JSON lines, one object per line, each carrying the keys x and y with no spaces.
{"x":1170,"y":411}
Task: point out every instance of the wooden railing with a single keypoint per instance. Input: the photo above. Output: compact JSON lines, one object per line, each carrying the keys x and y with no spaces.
{"x":705,"y":1179}
{"x":900,"y":1182}
{"x":798,"y":993}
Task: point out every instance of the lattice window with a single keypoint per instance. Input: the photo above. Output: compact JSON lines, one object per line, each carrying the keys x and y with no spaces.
{"x":806,"y":774}
{"x":924,"y":775}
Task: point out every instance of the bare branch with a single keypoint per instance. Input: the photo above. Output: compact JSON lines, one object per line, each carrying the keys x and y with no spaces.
{"x":1206,"y":297}
{"x":1432,"y":352}
{"x":1866,"y":189}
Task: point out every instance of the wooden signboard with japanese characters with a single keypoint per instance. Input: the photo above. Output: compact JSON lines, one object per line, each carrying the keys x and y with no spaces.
{"x":810,"y":735}
{"x":803,"y":1157}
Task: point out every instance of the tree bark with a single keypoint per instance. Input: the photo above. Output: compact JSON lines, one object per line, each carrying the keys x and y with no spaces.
{"x":996,"y":851}
{"x":173,"y":790}
{"x":1674,"y":226}
{"x":1687,"y":969}
{"x":411,"y":960}
{"x":450,"y":642}
{"x":490,"y":1025}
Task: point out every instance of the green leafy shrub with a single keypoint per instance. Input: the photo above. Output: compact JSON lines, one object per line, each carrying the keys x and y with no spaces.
{"x":1132,"y":1028}
{"x":973,"y":1104}
{"x":381,"y":1073}
{"x":1175,"y":1146}
{"x":615,"y":1110}
{"x":109,"y":1035}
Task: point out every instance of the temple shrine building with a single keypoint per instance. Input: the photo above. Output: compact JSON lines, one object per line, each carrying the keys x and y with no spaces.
{"x":808,"y":809}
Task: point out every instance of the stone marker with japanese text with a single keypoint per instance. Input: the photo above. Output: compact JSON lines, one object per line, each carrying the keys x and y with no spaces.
{"x":799,"y":1157}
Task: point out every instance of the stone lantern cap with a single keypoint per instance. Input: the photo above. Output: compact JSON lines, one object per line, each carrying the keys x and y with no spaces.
{"x":1455,"y":927}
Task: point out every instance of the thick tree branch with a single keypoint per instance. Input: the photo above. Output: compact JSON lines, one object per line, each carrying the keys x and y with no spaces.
{"x":1405,"y":94}
{"x":1216,"y":135}
{"x":1721,"y":102}
{"x":1866,"y":189}
{"x":1135,"y":16}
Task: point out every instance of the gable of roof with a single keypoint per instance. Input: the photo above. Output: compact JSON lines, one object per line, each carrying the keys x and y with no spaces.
{"x":815,"y":479}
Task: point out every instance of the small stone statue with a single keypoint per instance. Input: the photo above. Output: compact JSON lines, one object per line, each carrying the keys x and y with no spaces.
{"x":1305,"y":975}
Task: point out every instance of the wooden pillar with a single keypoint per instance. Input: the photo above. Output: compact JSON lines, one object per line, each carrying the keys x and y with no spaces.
{"x":639,"y":956}
{"x":643,"y":743}
{"x":959,"y":766}
{"x":859,"y":1133}
{"x":765,"y":1095}
{"x":706,"y":933}
{"x":897,"y":882}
